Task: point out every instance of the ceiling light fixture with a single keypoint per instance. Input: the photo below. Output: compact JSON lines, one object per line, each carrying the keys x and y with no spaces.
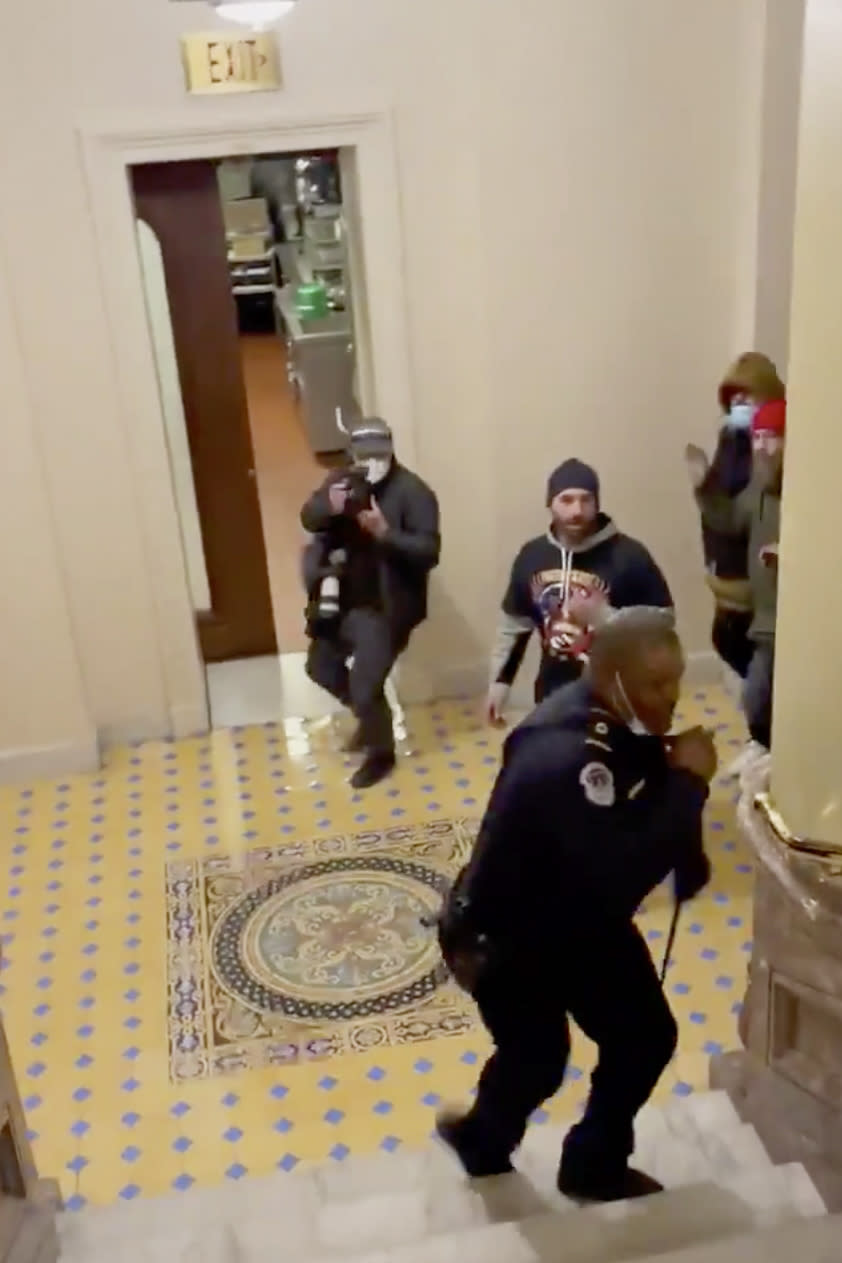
{"x":258,"y":14}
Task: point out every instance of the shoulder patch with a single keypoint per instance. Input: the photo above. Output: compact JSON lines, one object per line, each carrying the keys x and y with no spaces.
{"x":598,"y":734}
{"x":597,"y":781}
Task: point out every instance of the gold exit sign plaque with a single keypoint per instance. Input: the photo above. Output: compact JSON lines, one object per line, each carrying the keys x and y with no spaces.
{"x":219,"y":62}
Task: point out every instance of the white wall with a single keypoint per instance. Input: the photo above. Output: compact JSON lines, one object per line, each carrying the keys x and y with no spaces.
{"x":620,"y":301}
{"x":44,"y":725}
{"x":574,"y":229}
{"x":808,"y":720}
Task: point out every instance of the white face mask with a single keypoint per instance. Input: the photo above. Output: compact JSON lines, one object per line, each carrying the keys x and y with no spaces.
{"x":635,"y":725}
{"x":741,"y":415}
{"x":376,"y":469}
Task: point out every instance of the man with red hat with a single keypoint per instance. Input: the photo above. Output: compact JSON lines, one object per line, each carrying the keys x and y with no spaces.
{"x":755,"y":515}
{"x":750,"y":382}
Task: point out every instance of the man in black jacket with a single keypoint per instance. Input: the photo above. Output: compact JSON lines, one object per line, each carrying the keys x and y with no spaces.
{"x":377,"y":529}
{"x":594,"y":806}
{"x":565,"y":581}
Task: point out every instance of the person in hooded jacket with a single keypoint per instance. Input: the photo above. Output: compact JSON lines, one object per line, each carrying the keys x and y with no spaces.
{"x":751,"y":382}
{"x":566,"y":581}
{"x":753,"y":518}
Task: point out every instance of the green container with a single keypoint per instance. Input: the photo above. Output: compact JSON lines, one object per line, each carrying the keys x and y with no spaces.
{"x":311,"y":302}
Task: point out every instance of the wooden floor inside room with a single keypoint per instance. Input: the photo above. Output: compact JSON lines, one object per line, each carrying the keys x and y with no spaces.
{"x":287,"y":472}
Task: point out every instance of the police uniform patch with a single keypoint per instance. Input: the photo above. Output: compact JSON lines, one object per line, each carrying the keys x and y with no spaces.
{"x":598,"y":783}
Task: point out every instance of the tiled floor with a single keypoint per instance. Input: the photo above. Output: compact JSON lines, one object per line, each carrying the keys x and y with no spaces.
{"x":85,"y":955}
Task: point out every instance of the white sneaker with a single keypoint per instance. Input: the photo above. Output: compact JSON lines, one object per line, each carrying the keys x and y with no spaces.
{"x":750,"y":753}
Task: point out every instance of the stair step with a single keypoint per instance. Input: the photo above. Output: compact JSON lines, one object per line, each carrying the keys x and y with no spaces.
{"x":426,"y":1191}
{"x":809,"y":1241}
{"x":661,"y":1226}
{"x":409,"y":1201}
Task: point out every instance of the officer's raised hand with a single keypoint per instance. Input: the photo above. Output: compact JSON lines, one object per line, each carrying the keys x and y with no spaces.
{"x":695,"y":752}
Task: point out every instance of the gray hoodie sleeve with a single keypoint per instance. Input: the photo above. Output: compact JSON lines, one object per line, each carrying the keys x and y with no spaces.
{"x":510,"y":643}
{"x":514,"y":627}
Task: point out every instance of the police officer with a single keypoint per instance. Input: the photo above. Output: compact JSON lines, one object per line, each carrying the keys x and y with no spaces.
{"x":594,"y":806}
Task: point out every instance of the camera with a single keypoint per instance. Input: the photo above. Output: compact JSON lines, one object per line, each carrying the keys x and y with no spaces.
{"x":324,"y":607}
{"x":359,"y":491}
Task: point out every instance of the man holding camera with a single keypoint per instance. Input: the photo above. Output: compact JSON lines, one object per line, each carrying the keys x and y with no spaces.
{"x":594,"y":806}
{"x":367,"y":573}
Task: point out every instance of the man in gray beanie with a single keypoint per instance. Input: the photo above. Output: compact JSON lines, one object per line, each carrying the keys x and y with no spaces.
{"x":564,"y":582}
{"x":376,"y":528}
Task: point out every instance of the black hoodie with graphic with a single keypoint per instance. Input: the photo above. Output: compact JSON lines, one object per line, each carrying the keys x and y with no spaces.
{"x":545,"y":575}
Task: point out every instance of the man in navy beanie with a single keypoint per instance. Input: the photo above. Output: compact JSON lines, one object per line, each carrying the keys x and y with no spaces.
{"x":564,"y":582}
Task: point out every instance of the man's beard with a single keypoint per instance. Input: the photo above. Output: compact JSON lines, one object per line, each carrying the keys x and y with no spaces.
{"x":769,"y":473}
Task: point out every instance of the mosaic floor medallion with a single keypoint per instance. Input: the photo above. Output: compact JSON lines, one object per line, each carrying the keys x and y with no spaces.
{"x":311,"y":949}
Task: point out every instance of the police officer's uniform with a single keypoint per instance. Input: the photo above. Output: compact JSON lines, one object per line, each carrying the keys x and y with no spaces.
{"x":585,"y":819}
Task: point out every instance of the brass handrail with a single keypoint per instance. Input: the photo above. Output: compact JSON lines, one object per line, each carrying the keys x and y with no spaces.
{"x":773,"y":818}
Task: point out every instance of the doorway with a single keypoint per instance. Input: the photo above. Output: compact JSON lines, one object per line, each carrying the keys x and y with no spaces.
{"x":255,"y":302}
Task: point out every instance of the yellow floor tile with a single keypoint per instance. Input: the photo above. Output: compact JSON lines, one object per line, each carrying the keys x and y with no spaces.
{"x":84,"y":967}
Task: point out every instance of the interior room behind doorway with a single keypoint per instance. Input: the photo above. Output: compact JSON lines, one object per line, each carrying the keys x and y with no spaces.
{"x":280,"y":235}
{"x":284,"y":224}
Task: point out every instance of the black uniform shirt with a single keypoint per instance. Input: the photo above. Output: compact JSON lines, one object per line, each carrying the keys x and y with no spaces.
{"x":584,"y":820}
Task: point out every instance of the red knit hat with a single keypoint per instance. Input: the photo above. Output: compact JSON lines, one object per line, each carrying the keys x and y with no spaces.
{"x":770,"y":419}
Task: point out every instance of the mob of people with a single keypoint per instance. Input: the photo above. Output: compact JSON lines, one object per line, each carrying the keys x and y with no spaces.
{"x":597,"y":802}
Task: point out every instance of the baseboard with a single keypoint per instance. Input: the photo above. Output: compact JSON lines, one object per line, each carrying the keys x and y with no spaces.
{"x":189,"y":721}
{"x":419,"y":682}
{"x":703,"y":669}
{"x":133,"y":733}
{"x":35,"y":763}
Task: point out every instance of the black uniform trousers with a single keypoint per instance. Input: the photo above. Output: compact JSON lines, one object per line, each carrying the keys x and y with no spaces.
{"x":610,"y":987}
{"x":366,"y":636}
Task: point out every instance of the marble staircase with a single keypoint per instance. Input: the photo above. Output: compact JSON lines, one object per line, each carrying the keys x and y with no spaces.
{"x":725,"y":1201}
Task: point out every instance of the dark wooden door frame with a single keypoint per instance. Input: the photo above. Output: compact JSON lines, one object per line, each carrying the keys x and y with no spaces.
{"x":180,"y":202}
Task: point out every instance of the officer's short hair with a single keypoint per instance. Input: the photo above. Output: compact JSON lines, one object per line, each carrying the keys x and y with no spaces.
{"x":631,"y":631}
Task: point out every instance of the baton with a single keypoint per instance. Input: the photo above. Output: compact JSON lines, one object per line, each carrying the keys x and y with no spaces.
{"x":670,"y":940}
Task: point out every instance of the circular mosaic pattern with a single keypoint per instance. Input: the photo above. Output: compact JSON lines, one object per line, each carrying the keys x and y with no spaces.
{"x":337,"y":941}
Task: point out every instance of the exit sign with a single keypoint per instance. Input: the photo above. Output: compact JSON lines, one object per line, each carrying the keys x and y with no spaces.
{"x":219,"y":63}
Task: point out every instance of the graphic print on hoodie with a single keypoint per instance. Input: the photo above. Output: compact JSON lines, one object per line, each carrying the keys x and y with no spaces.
{"x":544,"y":577}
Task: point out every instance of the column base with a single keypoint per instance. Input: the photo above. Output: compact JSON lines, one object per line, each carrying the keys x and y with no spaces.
{"x":793,"y":1125}
{"x":28,"y":1231}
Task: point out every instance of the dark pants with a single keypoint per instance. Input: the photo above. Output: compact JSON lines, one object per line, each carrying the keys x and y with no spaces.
{"x":612,"y":992}
{"x":730,"y":639}
{"x":554,"y":675}
{"x":758,"y":693}
{"x":366,"y":636}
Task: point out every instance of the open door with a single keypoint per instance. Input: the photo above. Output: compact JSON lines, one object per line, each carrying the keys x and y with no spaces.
{"x":180,"y":203}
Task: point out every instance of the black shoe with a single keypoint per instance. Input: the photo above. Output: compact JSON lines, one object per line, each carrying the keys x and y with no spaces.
{"x":583,"y":1185}
{"x":375,"y":769}
{"x":450,"y":1128}
{"x":356,"y":743}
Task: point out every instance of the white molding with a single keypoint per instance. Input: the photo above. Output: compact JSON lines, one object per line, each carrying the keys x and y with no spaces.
{"x":110,"y":143}
{"x":33,"y":763}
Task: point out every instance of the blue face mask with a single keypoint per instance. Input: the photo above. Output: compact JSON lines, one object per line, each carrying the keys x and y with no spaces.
{"x":741,"y":415}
